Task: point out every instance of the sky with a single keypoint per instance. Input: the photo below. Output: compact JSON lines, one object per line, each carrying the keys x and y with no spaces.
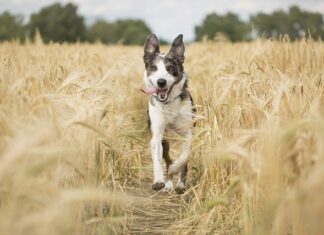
{"x":166,"y":18}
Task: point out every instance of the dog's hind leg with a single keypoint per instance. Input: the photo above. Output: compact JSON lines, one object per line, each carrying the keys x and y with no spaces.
{"x":181,"y":185}
{"x":180,"y":165}
{"x":166,"y":156}
{"x":168,"y":162}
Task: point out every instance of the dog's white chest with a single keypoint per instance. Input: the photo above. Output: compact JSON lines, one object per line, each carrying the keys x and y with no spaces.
{"x":176,"y":115}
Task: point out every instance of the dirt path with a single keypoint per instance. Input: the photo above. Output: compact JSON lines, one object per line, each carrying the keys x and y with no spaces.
{"x":152,"y":212}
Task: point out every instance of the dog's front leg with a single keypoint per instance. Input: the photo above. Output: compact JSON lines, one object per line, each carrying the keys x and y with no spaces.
{"x":156,"y":151}
{"x":157,"y":130}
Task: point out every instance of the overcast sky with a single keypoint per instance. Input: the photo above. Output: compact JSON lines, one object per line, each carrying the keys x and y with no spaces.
{"x":166,"y":18}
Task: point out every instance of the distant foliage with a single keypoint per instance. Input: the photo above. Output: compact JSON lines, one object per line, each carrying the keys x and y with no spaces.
{"x":58,"y":23}
{"x":128,"y":32}
{"x":101,"y":31}
{"x":295,"y":23}
{"x":229,"y":25}
{"x":11,"y":27}
{"x":62,"y":23}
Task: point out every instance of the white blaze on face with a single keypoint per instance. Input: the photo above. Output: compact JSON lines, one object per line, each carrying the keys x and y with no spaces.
{"x":151,"y":81}
{"x":161,"y":72}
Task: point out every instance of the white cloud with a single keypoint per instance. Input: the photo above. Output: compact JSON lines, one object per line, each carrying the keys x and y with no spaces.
{"x":166,"y":18}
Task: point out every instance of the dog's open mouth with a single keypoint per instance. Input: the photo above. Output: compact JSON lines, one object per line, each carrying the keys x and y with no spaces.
{"x":162,"y":94}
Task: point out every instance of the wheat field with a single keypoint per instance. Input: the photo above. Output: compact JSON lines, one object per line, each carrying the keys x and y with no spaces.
{"x":74,"y":142}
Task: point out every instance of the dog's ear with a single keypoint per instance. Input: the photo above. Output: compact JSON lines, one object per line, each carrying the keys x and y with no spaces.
{"x":151,"y":46}
{"x":177,"y":48}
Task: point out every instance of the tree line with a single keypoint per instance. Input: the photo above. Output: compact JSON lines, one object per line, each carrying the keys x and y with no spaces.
{"x":295,"y":23}
{"x":62,"y":23}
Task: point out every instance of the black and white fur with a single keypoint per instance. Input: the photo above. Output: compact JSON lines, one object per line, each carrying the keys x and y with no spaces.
{"x":170,"y":107}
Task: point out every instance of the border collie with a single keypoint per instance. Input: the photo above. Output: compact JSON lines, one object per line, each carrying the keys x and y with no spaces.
{"x":170,"y":106}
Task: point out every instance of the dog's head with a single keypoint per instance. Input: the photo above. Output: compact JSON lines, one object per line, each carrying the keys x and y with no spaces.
{"x":163,"y":71}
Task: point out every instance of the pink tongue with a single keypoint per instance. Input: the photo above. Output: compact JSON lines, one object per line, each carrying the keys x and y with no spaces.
{"x":149,"y":91}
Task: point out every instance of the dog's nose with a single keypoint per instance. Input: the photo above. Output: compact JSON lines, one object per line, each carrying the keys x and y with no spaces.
{"x":161,"y":82}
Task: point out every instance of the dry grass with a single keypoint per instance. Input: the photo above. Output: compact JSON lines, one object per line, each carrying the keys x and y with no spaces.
{"x":74,"y":153}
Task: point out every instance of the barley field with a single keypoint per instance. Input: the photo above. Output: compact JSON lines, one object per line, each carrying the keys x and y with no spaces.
{"x":74,"y":142}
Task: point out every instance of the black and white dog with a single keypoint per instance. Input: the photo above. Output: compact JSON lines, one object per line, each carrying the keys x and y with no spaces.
{"x":170,"y":107}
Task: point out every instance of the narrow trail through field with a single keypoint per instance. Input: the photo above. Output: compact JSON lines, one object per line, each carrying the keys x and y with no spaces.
{"x":152,"y":212}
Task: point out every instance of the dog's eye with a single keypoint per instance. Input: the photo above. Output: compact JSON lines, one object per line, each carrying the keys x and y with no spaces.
{"x":153,"y":68}
{"x":171,"y":69}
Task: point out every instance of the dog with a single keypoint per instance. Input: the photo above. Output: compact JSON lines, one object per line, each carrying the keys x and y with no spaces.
{"x":170,"y":106}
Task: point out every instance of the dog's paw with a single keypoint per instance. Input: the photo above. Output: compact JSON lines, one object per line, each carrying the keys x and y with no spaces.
{"x":158,"y":186}
{"x":180,"y":189}
{"x":168,"y":186}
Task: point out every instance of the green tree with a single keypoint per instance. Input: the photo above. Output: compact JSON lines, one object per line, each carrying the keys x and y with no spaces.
{"x":128,"y":32}
{"x":230,"y":25}
{"x":295,"y":23}
{"x":11,"y":27}
{"x":101,"y":31}
{"x":132,"y":31}
{"x":58,"y":23}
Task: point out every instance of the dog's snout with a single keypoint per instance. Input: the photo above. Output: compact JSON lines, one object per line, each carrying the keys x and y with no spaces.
{"x":161,"y":82}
